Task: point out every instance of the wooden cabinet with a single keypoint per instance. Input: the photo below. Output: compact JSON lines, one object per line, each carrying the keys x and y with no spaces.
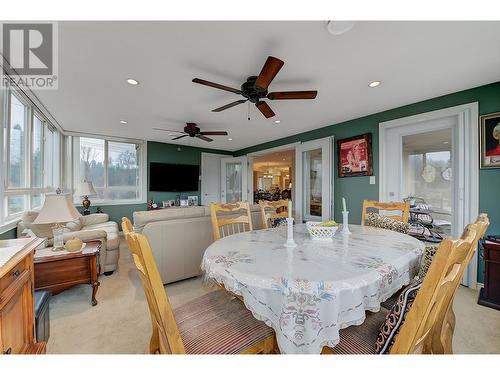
{"x":490,"y":293}
{"x":16,"y":298}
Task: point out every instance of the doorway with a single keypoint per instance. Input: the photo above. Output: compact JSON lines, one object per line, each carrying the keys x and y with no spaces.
{"x":273,"y":175}
{"x":431,"y":160}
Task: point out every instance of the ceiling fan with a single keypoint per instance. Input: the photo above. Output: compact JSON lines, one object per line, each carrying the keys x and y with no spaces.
{"x":255,"y":89}
{"x":193,"y":131}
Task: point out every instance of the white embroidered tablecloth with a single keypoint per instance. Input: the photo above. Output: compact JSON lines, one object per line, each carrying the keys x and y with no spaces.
{"x":307,"y":293}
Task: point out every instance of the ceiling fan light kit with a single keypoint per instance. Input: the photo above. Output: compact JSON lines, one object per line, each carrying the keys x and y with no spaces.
{"x":255,"y":88}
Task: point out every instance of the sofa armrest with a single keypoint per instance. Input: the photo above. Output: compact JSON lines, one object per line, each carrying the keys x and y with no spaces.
{"x":86,"y":235}
{"x":94,"y":219}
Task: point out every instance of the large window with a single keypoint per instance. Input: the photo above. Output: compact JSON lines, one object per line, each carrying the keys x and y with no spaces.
{"x":114,"y":168}
{"x":32,"y":158}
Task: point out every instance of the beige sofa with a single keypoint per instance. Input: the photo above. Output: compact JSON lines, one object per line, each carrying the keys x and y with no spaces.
{"x":90,"y":227}
{"x":179,"y":237}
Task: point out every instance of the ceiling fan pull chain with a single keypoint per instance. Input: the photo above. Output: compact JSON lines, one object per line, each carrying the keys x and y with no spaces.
{"x":248,"y":111}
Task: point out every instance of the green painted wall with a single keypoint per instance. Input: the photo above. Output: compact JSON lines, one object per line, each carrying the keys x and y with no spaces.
{"x":355,"y":189}
{"x":8,"y":235}
{"x":175,"y":154}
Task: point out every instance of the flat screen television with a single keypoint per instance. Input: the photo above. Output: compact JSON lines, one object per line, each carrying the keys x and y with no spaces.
{"x":173,"y":177}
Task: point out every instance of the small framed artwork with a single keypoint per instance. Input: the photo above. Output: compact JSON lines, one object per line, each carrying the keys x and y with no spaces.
{"x":355,"y":156}
{"x":193,"y":200}
{"x":490,"y":140}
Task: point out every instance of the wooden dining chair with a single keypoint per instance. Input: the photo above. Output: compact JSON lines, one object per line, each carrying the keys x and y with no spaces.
{"x":279,"y":209}
{"x":403,"y":207}
{"x":154,"y":345}
{"x":427,"y":311}
{"x":212,"y":324}
{"x":443,"y":334}
{"x":230,"y":218}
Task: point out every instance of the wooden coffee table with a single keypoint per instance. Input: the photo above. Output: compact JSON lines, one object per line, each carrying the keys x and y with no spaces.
{"x":58,"y":271}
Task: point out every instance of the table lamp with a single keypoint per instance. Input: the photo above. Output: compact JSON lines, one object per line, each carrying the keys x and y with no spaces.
{"x":57,"y":209}
{"x":86,"y":189}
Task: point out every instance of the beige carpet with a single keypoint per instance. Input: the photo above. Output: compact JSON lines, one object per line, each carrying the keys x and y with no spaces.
{"x":120,"y":322}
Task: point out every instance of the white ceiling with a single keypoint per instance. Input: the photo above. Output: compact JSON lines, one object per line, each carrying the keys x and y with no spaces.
{"x":414,"y":61}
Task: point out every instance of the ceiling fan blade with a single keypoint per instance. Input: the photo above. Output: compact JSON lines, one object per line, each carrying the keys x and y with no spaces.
{"x":271,"y":67}
{"x":216,"y":85}
{"x":283,"y":95}
{"x":168,"y":130}
{"x":265,"y":109}
{"x":204,"y":138}
{"x":213,"y":133}
{"x":179,"y":137}
{"x":224,"y":107}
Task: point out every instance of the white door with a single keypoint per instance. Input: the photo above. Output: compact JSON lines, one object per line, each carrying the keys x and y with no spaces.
{"x":432,"y":156}
{"x":234,"y":179}
{"x":314,"y":184}
{"x":210,"y":178}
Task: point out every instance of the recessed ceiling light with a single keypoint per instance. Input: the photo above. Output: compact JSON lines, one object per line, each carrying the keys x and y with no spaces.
{"x":277,"y":121}
{"x":132,"y":81}
{"x":339,"y":27}
{"x":123,"y":122}
{"x":230,"y":139}
{"x":374,"y":83}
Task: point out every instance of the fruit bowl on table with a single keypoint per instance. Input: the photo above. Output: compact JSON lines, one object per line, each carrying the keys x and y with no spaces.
{"x":322,"y":231}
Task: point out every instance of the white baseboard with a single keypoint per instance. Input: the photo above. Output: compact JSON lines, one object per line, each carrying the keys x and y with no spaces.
{"x":479,"y":286}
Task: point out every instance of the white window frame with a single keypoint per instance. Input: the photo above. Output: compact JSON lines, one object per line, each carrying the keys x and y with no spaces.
{"x":8,"y":222}
{"x":141,"y":163}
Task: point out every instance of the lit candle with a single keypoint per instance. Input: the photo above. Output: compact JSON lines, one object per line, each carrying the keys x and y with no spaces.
{"x":343,"y":205}
{"x":289,"y":208}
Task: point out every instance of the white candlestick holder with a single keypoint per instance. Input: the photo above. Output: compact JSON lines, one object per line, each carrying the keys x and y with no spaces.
{"x":345,"y":224}
{"x":289,"y":233}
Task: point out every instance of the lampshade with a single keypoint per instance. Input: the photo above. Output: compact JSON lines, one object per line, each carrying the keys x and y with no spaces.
{"x":57,"y":208}
{"x":86,"y":188}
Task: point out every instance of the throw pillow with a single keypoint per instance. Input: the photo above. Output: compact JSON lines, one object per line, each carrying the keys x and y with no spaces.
{"x":395,"y":318}
{"x":277,"y":222}
{"x":379,"y":221}
{"x":73,"y":226}
{"x":427,"y":257}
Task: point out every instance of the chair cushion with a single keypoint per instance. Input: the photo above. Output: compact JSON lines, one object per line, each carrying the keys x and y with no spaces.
{"x":427,"y":257}
{"x":379,"y":221}
{"x":277,"y":221}
{"x":218,"y":323}
{"x":395,"y":318}
{"x":360,"y":339}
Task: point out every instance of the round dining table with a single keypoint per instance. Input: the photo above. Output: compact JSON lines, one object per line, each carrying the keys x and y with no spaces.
{"x":309,"y":292}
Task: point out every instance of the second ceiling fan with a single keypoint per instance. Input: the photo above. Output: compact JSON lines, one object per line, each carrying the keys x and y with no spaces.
{"x":256,"y":88}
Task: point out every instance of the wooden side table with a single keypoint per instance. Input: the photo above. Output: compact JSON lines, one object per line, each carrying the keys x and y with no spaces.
{"x":58,"y":271}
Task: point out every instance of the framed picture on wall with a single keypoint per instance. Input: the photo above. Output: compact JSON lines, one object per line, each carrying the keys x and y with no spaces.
{"x":355,"y":156}
{"x":490,"y":140}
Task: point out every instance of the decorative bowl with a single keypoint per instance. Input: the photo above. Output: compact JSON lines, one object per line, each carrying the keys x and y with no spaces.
{"x":74,"y":244}
{"x":321,"y":233}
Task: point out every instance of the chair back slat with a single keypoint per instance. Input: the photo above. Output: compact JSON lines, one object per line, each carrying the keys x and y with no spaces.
{"x":403,"y":207}
{"x":166,"y":337}
{"x":274,"y":206}
{"x":438,"y":285}
{"x":230,"y":218}
{"x":170,"y":338}
{"x":443,"y":334}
